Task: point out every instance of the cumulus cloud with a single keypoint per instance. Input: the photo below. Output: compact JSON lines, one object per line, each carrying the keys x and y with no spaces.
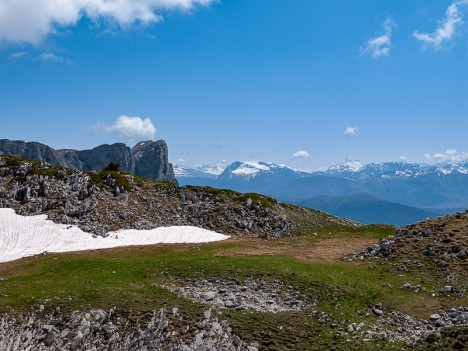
{"x":132,"y":127}
{"x":30,"y":21}
{"x":380,"y":46}
{"x":180,"y":160}
{"x":301,"y":154}
{"x":446,"y":29}
{"x":450,"y":155}
{"x":350,"y":131}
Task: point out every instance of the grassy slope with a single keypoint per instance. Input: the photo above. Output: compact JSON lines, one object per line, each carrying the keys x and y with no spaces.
{"x":129,"y":279}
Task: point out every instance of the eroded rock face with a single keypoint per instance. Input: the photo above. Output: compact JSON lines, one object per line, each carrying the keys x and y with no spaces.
{"x":147,"y":159}
{"x":31,"y":150}
{"x":151,"y":161}
{"x":99,"y":157}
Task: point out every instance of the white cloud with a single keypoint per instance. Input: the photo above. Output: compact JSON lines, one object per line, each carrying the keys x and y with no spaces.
{"x":447,"y":27}
{"x":350,"y":131}
{"x":450,"y":155}
{"x":403,"y":158}
{"x":30,"y":21}
{"x":132,"y":127}
{"x":180,"y":160}
{"x":17,"y":55}
{"x":380,"y":46}
{"x":301,"y":154}
{"x":48,"y":56}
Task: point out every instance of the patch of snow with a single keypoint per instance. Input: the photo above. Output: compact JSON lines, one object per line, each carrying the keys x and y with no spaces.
{"x":23,"y":236}
{"x":251,"y":168}
{"x":181,"y":171}
{"x":214,"y":170}
{"x":350,"y":166}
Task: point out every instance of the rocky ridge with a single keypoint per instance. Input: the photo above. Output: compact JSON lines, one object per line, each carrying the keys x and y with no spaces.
{"x":99,"y":202}
{"x":148,"y":159}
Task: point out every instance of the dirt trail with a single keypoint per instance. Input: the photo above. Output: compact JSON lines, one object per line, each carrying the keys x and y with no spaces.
{"x":327,"y":250}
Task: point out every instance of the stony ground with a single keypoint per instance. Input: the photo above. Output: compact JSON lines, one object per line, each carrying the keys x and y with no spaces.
{"x":250,"y":294}
{"x":441,"y":243}
{"x":109,"y":330}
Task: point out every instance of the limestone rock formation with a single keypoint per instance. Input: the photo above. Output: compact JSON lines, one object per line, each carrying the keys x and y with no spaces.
{"x":148,"y":159}
{"x":151,"y":161}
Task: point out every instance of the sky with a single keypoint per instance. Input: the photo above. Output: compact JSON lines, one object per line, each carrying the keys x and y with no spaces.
{"x":307,"y":83}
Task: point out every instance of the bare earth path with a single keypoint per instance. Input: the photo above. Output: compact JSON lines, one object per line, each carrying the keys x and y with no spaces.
{"x":327,"y":250}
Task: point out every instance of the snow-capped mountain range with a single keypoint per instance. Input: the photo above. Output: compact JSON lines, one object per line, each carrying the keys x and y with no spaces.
{"x":393,"y":170}
{"x":242,"y":176}
{"x":420,"y":185}
{"x":204,"y":171}
{"x":249,"y":170}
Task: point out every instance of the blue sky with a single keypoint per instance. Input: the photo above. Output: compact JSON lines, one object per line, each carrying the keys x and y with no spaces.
{"x":223,"y":81}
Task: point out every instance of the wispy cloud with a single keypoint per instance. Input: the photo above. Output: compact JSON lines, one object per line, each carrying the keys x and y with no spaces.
{"x":446,"y":29}
{"x":450,"y":155}
{"x":31,"y":21}
{"x":17,"y":55}
{"x":380,"y":46}
{"x":301,"y":154}
{"x":350,"y":131}
{"x":132,"y":127}
{"x":48,"y":56}
{"x":51,"y":57}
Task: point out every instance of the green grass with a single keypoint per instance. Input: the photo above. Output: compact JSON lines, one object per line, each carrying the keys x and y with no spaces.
{"x":130,"y":279}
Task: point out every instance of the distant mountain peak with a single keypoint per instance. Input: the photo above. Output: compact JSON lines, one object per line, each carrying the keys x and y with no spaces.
{"x":348,"y":166}
{"x":253,"y":169}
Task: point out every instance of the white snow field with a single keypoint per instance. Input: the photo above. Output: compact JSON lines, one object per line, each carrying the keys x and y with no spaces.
{"x":22,"y":236}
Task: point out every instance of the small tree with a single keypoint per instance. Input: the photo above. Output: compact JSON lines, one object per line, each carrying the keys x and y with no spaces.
{"x":113,"y":166}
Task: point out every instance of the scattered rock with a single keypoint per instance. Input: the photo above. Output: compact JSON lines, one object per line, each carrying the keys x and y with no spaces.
{"x":100,"y":330}
{"x":250,"y":294}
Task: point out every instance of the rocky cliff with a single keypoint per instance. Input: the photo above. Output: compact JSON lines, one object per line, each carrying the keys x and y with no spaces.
{"x":148,"y":159}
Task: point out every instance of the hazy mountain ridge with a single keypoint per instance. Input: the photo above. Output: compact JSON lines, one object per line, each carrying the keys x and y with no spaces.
{"x":393,"y":170}
{"x":368,"y":209}
{"x":442,"y":188}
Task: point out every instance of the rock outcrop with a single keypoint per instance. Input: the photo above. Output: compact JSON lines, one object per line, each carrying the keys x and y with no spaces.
{"x":111,"y":330}
{"x":151,"y":161}
{"x":148,"y":159}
